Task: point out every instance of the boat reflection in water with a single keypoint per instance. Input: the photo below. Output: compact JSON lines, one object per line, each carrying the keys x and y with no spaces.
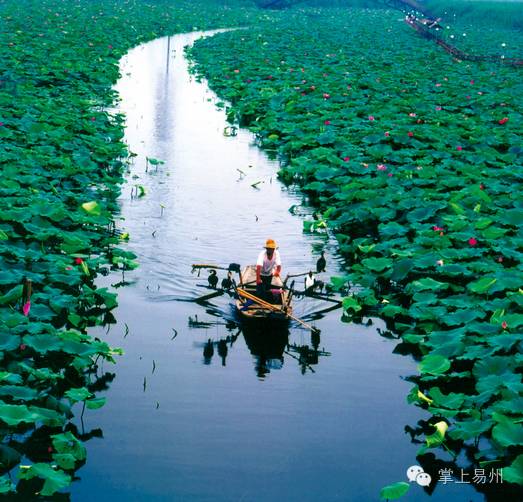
{"x":267,"y":341}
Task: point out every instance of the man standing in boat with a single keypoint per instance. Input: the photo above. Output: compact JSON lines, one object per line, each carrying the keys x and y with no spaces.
{"x":268,"y":266}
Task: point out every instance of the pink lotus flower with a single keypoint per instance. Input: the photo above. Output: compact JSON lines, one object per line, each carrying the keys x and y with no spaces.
{"x":371,"y":117}
{"x":327,"y":122}
{"x":412,"y":114}
{"x":504,"y":325}
{"x":459,"y":148}
{"x":346,"y":159}
{"x":389,"y":175}
{"x":504,"y":120}
{"x":313,"y":87}
{"x":248,"y":80}
{"x":1,"y":124}
{"x":436,"y":228}
{"x":410,"y":134}
{"x":23,"y":346}
{"x":481,"y":186}
{"x":472,"y":82}
{"x":93,"y":119}
{"x":381,"y":167}
{"x":78,"y":261}
{"x":500,"y":259}
{"x":68,"y":267}
{"x":26,"y":308}
{"x":387,"y":133}
{"x":326,"y":95}
{"x":439,"y":108}
{"x":109,"y":46}
{"x":438,"y":85}
{"x":468,"y":97}
{"x":439,"y":263}
{"x":472,"y":241}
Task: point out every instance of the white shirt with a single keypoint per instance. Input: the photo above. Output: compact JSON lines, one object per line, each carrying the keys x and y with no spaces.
{"x":266,"y":264}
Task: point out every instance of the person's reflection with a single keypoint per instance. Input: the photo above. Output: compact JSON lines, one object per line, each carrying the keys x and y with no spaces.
{"x":261,"y":366}
{"x":266,"y":342}
{"x":208,"y":352}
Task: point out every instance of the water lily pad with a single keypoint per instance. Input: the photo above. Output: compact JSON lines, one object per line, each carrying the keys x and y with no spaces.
{"x":434,"y":365}
{"x":394,"y":491}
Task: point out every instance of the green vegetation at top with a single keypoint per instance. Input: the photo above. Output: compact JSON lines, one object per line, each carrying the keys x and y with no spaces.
{"x":480,"y":12}
{"x":61,"y":162}
{"x":414,"y":160}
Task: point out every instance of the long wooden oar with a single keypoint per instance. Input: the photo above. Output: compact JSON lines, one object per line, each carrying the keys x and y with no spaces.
{"x":233,"y":267}
{"x":274,"y":308}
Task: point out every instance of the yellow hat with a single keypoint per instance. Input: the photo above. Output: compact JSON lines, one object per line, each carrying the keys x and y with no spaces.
{"x":270,"y":244}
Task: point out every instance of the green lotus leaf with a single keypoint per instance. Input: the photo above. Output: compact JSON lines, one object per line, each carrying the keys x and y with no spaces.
{"x":79,"y":394}
{"x":482,"y":285}
{"x":438,"y":436}
{"x":377,"y":264}
{"x":65,"y":461}
{"x":470,"y":429}
{"x":351,"y":303}
{"x":508,"y":433}
{"x":12,"y":296}
{"x":451,"y":400}
{"x":10,"y":378}
{"x":43,"y":343}
{"x":9,"y":457}
{"x":54,"y":479}
{"x":427,"y":284}
{"x":18,"y":392}
{"x":92,"y":208}
{"x":401,"y":269}
{"x":394,"y":491}
{"x":9,"y":342}
{"x":434,"y":365}
{"x":6,"y":485}
{"x":514,"y":472}
{"x":95,"y":403}
{"x":68,"y":443}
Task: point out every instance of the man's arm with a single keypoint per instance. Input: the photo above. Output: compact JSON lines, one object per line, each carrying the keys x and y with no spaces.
{"x":277,"y":270}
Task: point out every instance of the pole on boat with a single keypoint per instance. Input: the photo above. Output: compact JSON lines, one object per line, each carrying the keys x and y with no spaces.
{"x":274,"y":308}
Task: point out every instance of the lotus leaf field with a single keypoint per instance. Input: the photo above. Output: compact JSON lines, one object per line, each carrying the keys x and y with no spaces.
{"x":411,"y":158}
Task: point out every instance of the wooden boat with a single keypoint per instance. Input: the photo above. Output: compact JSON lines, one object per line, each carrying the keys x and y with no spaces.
{"x":250,"y":306}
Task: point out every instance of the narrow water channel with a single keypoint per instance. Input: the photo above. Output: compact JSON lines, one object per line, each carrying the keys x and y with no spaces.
{"x":198,"y":410}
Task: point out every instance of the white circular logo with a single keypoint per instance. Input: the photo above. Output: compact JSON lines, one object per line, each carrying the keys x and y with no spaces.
{"x":423,"y":479}
{"x":416,"y":473}
{"x":413,"y":471}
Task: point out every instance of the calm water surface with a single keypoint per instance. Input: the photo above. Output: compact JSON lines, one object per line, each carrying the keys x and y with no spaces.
{"x":215,"y":414}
